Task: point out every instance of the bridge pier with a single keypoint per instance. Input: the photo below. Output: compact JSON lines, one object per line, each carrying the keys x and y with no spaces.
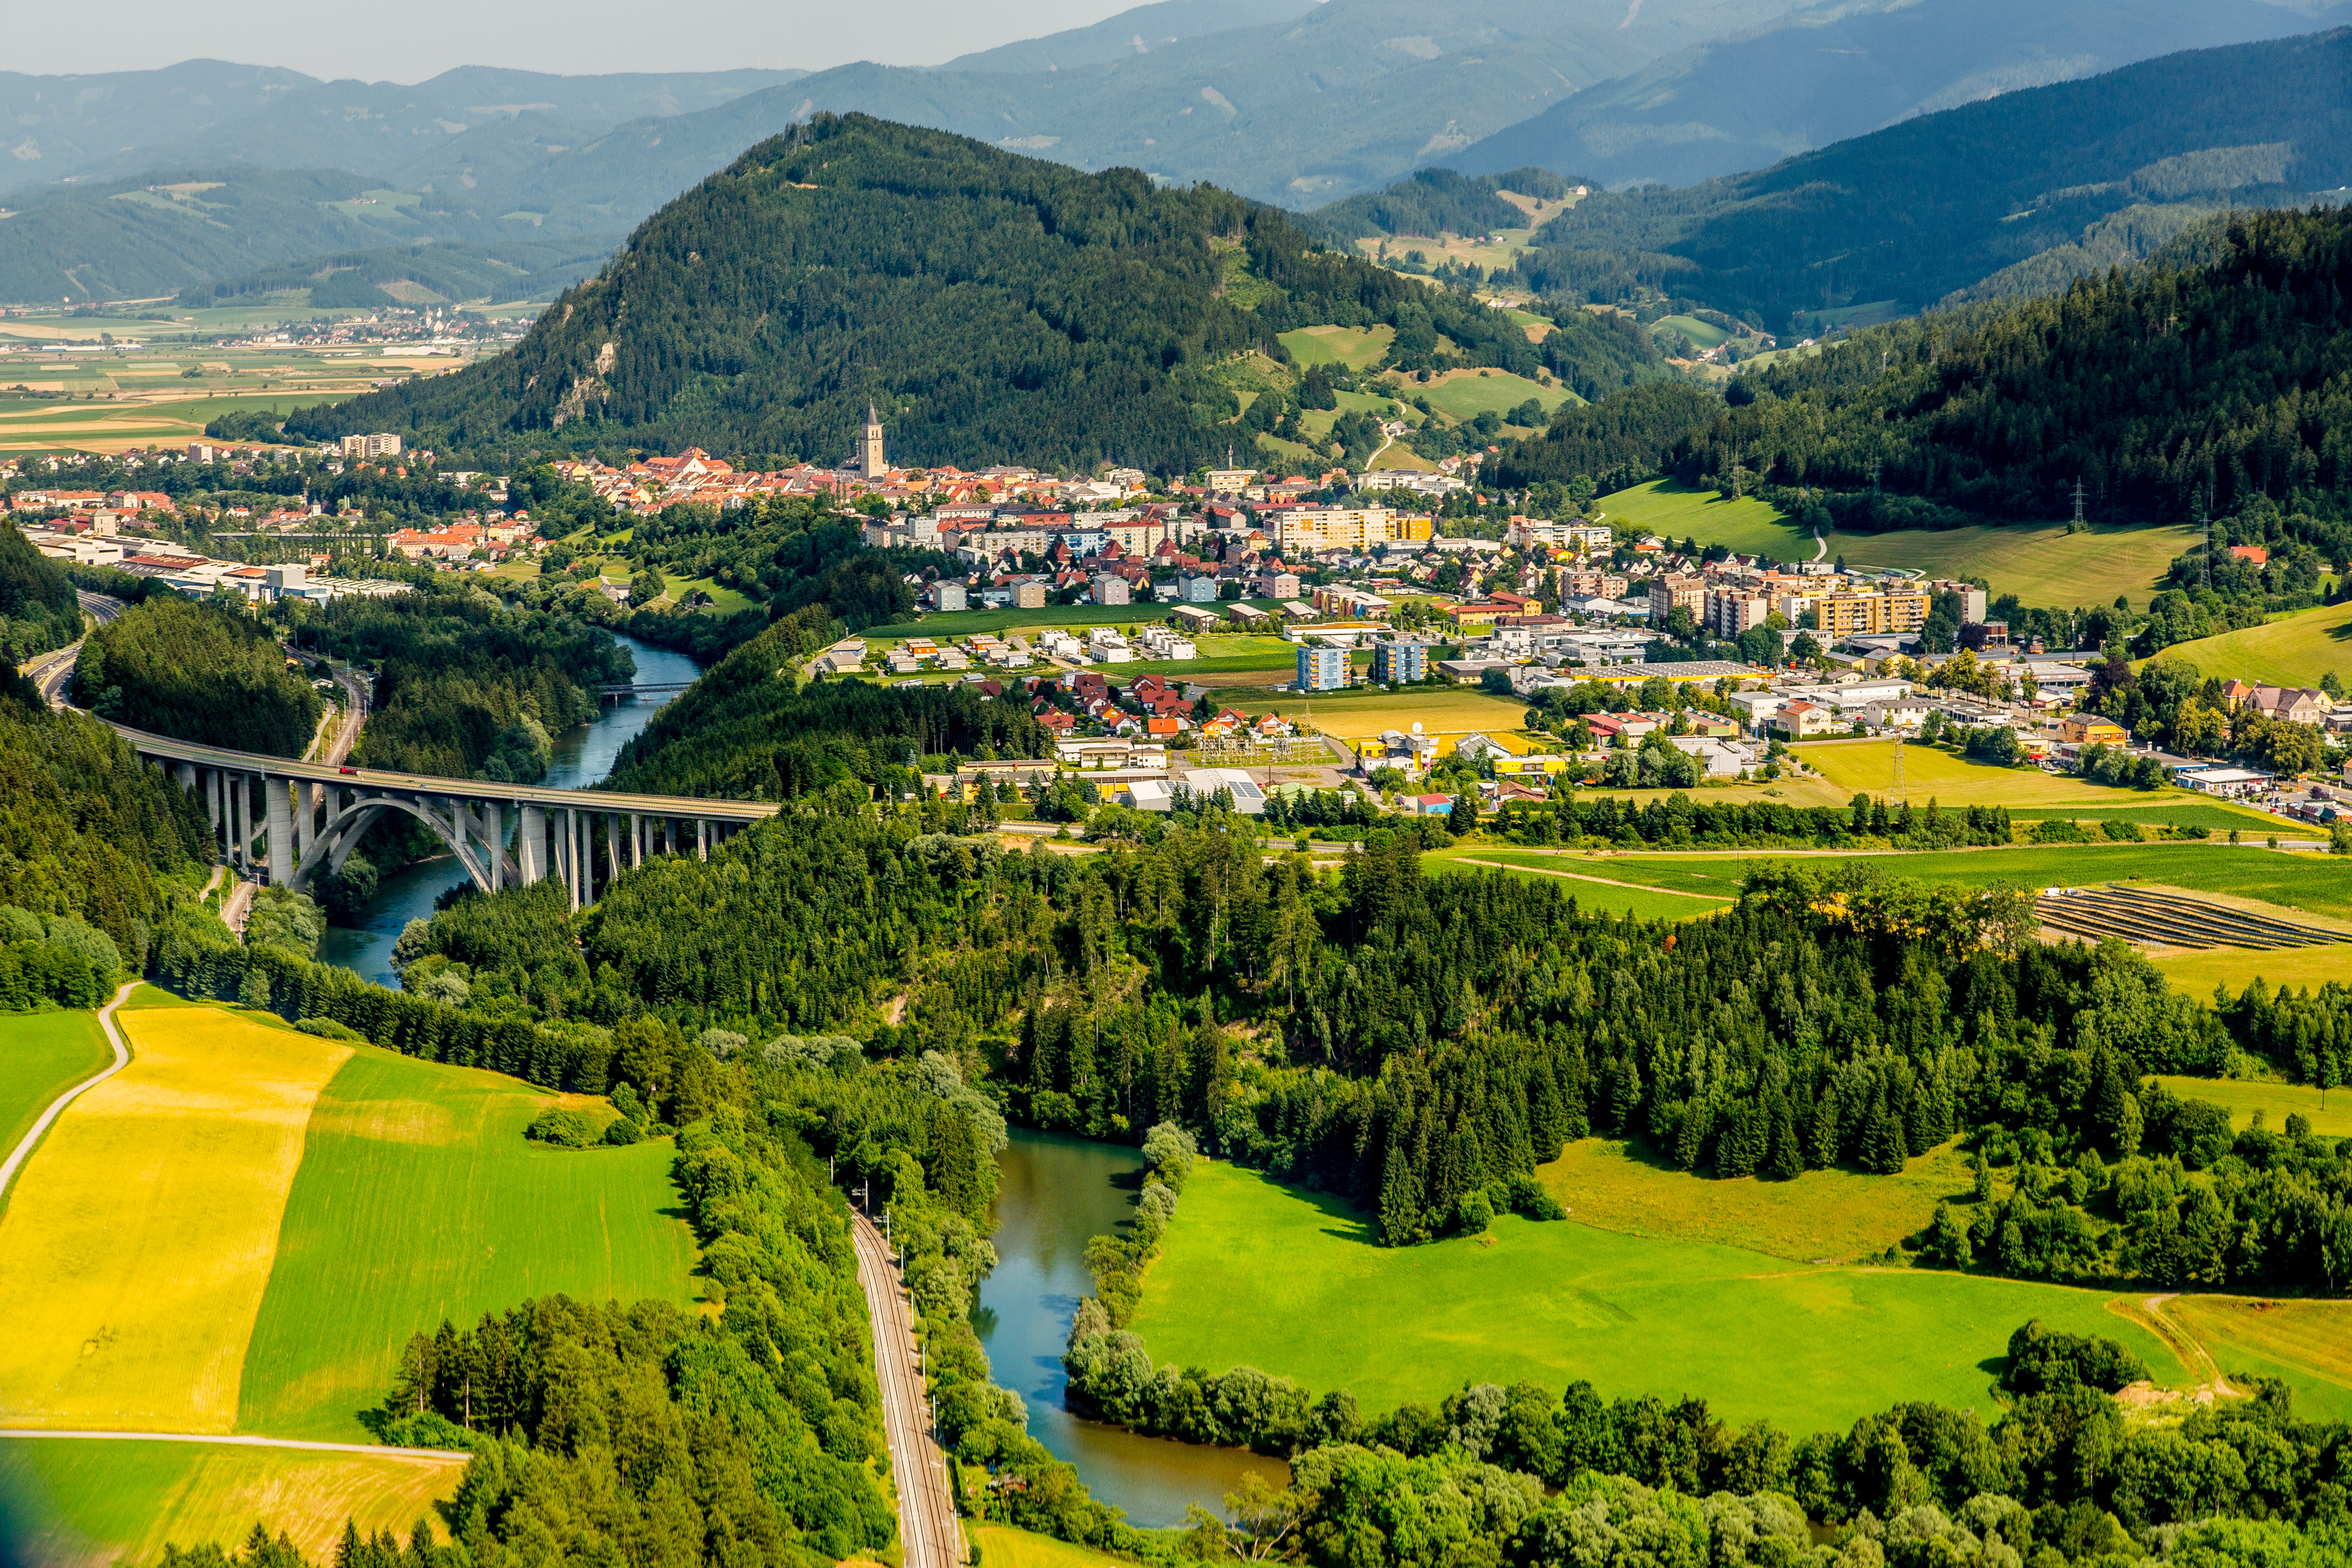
{"x":240,"y":801}
{"x":531,"y":846}
{"x":277,"y":803}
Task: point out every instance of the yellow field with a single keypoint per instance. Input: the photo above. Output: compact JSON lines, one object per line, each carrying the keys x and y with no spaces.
{"x":174,"y":1170}
{"x":1822,"y":1216}
{"x":2292,"y":967}
{"x":1868,"y":767}
{"x":2241,"y":1099}
{"x":1445,"y":711}
{"x":79,"y":1502}
{"x":2309,"y":1344}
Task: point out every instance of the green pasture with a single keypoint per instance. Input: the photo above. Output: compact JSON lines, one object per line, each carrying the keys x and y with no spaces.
{"x":42,"y":1055}
{"x":2042,"y":564}
{"x":1352,"y":346}
{"x":1257,"y":1274}
{"x":1593,"y":891}
{"x":418,"y":1199}
{"x":1952,"y":779}
{"x":2330,"y":1110}
{"x":2294,"y":649}
{"x":1677,"y":511}
{"x":2217,"y":816}
{"x":1465,"y":396}
{"x":1704,"y":334}
{"x":70,"y":1502}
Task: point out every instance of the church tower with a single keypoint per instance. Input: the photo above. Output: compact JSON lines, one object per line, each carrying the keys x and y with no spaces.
{"x":870,"y":461}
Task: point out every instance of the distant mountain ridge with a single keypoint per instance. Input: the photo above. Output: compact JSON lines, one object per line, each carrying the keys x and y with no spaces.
{"x":1938,"y":203}
{"x":213,"y":114}
{"x":1831,"y":72}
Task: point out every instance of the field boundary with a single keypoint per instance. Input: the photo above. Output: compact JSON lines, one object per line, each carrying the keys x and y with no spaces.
{"x":25,"y":1145}
{"x":242,"y":1440}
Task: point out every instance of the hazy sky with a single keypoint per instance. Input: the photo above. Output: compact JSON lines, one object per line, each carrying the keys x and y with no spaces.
{"x":418,"y":38}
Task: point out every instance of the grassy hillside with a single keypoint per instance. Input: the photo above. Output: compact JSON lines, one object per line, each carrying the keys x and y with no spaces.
{"x":419,"y":1199}
{"x":2294,"y":649}
{"x":1255,"y":1273}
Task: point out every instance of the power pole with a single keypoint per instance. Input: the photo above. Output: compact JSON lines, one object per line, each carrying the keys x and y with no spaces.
{"x":2078,"y":501}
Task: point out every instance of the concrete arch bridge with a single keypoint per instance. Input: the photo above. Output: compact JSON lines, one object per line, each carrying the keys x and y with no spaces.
{"x":290,"y":822}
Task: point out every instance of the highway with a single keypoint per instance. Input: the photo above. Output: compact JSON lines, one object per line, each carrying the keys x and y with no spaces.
{"x":927,"y":1516}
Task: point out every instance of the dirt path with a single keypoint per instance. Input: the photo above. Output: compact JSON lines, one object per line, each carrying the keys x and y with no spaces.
{"x":24,"y":1149}
{"x":1604,"y":881}
{"x":374,"y":1450}
{"x":2184,"y":1344}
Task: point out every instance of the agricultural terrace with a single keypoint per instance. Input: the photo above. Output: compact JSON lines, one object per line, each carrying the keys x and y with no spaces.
{"x":89,"y":1501}
{"x":139,"y":1238}
{"x":1254,"y":1272}
{"x":2294,"y":649}
{"x":2042,"y":564}
{"x":42,"y":1055}
{"x":419,"y":1199}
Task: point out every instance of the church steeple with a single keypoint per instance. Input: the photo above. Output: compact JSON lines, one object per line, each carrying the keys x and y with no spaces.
{"x":871,"y":462}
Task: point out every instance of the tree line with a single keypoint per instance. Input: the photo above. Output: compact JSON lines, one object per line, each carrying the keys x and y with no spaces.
{"x":2162,"y":390}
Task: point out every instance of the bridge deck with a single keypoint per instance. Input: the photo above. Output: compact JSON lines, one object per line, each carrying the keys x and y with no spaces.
{"x":684,"y":807}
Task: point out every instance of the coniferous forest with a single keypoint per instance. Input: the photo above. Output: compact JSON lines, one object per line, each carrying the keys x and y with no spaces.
{"x":985,"y":301}
{"x":2208,"y":382}
{"x":197,"y":672}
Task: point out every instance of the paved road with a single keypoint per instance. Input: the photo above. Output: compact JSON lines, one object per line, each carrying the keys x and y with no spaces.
{"x":24,"y":1149}
{"x":926,"y":1515}
{"x":374,"y":1450}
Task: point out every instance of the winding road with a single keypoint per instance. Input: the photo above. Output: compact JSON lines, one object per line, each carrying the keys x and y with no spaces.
{"x":927,"y":1514}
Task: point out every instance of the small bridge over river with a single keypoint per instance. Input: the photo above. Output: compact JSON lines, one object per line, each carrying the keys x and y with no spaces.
{"x":310,"y":817}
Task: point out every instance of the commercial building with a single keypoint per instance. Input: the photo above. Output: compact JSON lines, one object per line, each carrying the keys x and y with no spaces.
{"x":1322,"y":668}
{"x":1393,"y":662}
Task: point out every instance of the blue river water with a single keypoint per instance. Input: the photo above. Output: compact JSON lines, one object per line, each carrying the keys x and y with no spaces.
{"x":583,"y":756}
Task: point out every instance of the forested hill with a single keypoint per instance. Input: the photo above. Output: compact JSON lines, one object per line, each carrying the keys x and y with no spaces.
{"x":2221,"y":382}
{"x":1935,"y":204}
{"x":995,"y":307}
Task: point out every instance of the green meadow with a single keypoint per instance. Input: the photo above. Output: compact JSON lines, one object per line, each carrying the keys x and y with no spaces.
{"x":419,"y":1199}
{"x":42,"y":1055}
{"x":1593,"y":890}
{"x":2042,"y":564}
{"x":2295,"y":650}
{"x":1466,"y":395}
{"x":1259,"y":1274}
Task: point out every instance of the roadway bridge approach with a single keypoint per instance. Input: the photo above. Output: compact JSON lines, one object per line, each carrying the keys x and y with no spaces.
{"x":290,"y":822}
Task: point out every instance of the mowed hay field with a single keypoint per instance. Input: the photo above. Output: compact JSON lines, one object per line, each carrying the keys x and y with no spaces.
{"x":42,"y":1055}
{"x":1591,"y":890}
{"x":1360,"y":715}
{"x":1290,"y":1282}
{"x":1867,"y":767}
{"x":74,"y":1503}
{"x":137,"y":1244}
{"x":2307,"y":1344}
{"x":2296,"y":649}
{"x":420,"y":1199}
{"x":2296,"y":968}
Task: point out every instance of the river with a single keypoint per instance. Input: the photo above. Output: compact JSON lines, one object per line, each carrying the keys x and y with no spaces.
{"x":1053,"y":1195}
{"x":583,"y":756}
